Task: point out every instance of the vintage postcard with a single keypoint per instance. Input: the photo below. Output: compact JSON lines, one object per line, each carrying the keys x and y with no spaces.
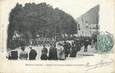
{"x":57,"y":36}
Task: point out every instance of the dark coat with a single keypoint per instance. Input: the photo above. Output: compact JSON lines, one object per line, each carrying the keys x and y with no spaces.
{"x":53,"y":53}
{"x":67,"y":47}
{"x":14,"y":55}
{"x":44,"y":54}
{"x":86,"y":43}
{"x":73,"y":51}
{"x":32,"y":54}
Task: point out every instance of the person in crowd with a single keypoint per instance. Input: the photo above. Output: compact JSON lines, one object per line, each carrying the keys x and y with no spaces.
{"x":44,"y":53}
{"x":73,"y":50}
{"x":23,"y":54}
{"x":92,"y":43}
{"x":82,"y":42}
{"x":86,"y":42}
{"x":32,"y":54}
{"x":53,"y":53}
{"x":61,"y":52}
{"x":78,"y":45}
{"x":13,"y":55}
{"x":67,"y":47}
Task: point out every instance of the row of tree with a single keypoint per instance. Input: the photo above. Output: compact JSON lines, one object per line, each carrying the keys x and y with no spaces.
{"x":41,"y":19}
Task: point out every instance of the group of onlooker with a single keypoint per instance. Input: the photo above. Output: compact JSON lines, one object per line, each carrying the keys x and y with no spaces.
{"x":55,"y":52}
{"x":23,"y":55}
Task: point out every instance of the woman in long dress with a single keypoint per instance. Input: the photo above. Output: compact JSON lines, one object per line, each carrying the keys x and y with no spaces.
{"x":60,"y":52}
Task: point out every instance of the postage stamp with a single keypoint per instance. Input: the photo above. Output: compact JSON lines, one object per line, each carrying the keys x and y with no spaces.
{"x":104,"y":42}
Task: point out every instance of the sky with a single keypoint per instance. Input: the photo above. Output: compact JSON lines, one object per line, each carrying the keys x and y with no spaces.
{"x":73,"y":7}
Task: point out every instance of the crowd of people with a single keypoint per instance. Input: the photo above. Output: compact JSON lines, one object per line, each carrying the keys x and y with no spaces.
{"x":61,"y":52}
{"x":23,"y":55}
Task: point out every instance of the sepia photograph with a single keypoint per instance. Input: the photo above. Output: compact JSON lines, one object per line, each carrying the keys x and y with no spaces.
{"x":41,"y":32}
{"x":55,"y":36}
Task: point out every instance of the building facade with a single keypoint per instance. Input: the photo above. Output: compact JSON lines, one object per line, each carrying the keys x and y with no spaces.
{"x":88,"y":23}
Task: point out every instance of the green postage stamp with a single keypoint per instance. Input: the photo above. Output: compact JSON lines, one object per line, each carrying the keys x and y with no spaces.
{"x":104,"y":42}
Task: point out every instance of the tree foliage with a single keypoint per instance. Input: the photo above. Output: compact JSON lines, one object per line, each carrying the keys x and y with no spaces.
{"x":40,"y":19}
